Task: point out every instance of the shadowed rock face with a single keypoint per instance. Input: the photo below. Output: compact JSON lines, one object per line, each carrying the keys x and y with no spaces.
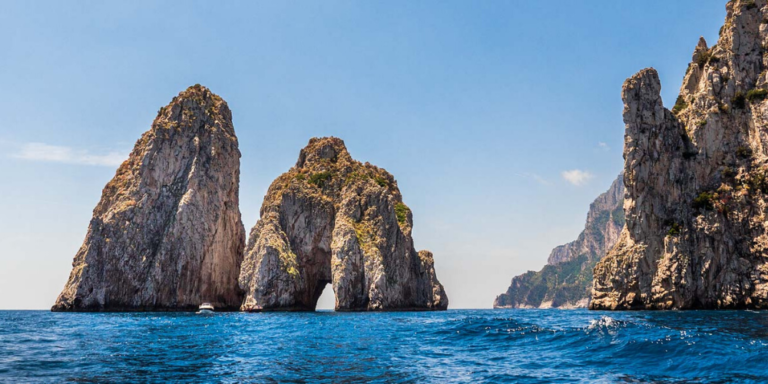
{"x":331,"y":219}
{"x":566,"y":280}
{"x":697,"y":181}
{"x":167,"y":233}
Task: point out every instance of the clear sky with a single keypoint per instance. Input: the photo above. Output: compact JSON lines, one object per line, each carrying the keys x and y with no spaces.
{"x":501,"y":120}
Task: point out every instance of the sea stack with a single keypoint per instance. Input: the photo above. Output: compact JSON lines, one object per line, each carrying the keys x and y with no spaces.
{"x":331,"y":219}
{"x":566,"y":281}
{"x":696,"y":180}
{"x":167,"y":234}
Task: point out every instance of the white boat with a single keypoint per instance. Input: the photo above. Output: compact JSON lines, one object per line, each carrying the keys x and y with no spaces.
{"x":205,"y":308}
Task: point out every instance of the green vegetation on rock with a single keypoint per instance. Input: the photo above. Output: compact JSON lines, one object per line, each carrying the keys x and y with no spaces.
{"x":758,"y":181}
{"x":320,"y":178}
{"x":756,"y":95}
{"x":704,"y":201}
{"x":382,"y":182}
{"x":562,"y":283}
{"x":680,"y":105}
{"x":401,"y":210}
{"x":674,"y":229}
{"x":703,"y":59}
{"x":566,"y":280}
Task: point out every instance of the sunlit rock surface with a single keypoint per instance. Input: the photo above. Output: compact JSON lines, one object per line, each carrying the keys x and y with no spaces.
{"x":167,"y":233}
{"x":696,"y":180}
{"x":333,"y":220}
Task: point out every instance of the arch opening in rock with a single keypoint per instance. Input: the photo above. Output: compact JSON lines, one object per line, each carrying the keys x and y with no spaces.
{"x":332,"y":219}
{"x":327,"y":299}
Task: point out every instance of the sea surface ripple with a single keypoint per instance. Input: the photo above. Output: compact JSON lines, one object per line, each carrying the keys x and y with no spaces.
{"x":442,"y":347}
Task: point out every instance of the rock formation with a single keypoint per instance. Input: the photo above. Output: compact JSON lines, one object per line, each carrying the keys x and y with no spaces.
{"x":696,"y":180}
{"x":331,"y":219}
{"x":566,"y":280}
{"x":167,"y":233}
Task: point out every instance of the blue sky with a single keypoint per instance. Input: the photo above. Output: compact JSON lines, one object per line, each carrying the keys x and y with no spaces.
{"x":500,"y":120}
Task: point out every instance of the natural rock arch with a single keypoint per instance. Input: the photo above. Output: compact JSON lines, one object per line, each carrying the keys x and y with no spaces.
{"x":332,"y":219}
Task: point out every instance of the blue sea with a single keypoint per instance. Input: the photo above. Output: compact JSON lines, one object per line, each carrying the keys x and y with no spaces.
{"x":479,"y":346}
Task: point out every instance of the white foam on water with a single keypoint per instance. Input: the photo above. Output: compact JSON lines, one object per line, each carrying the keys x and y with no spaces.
{"x":604,"y":321}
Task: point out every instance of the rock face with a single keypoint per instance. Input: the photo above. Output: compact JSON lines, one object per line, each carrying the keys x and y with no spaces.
{"x":167,"y":233}
{"x":331,"y":219}
{"x":566,"y":280}
{"x":697,"y":181}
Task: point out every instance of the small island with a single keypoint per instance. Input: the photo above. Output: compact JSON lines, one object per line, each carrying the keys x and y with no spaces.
{"x":167,"y":234}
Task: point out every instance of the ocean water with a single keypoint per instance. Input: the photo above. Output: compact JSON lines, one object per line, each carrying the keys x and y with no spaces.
{"x":442,"y":347}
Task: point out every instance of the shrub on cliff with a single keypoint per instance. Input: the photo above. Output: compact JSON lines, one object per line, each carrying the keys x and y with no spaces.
{"x":704,"y":201}
{"x":757,"y":95}
{"x":382,"y":182}
{"x":674,"y":229}
{"x":680,"y":105}
{"x":703,"y":59}
{"x":320,"y":178}
{"x":401,"y":211}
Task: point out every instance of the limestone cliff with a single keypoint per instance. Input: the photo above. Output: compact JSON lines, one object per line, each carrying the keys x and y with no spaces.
{"x":566,"y":280}
{"x":696,"y":180}
{"x":331,"y":219}
{"x":167,"y":233}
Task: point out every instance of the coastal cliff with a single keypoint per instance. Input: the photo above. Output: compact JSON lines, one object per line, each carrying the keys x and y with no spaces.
{"x":566,"y":280}
{"x":167,"y":234}
{"x":333,"y":220}
{"x":696,"y":180}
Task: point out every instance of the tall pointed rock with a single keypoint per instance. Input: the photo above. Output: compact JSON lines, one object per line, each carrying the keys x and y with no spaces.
{"x":331,"y":219}
{"x":696,"y":180}
{"x":167,"y":233}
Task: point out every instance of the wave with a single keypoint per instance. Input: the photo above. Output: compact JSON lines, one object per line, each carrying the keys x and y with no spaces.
{"x":443,"y":347}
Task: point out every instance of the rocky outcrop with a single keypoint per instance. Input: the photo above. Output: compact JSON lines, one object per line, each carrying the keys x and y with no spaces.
{"x":167,"y":233}
{"x":566,"y":280}
{"x":696,"y":180}
{"x":605,"y":220}
{"x":331,"y":219}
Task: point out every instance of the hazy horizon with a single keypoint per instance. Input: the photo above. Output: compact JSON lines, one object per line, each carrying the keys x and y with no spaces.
{"x":500,"y":121}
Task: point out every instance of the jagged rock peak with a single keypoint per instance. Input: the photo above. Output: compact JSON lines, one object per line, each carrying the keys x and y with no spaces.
{"x":695,"y":179}
{"x":605,"y":220}
{"x":701,"y":50}
{"x":323,"y":149}
{"x":196,"y":102}
{"x":566,"y":280}
{"x":331,"y":219}
{"x":166,"y":234}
